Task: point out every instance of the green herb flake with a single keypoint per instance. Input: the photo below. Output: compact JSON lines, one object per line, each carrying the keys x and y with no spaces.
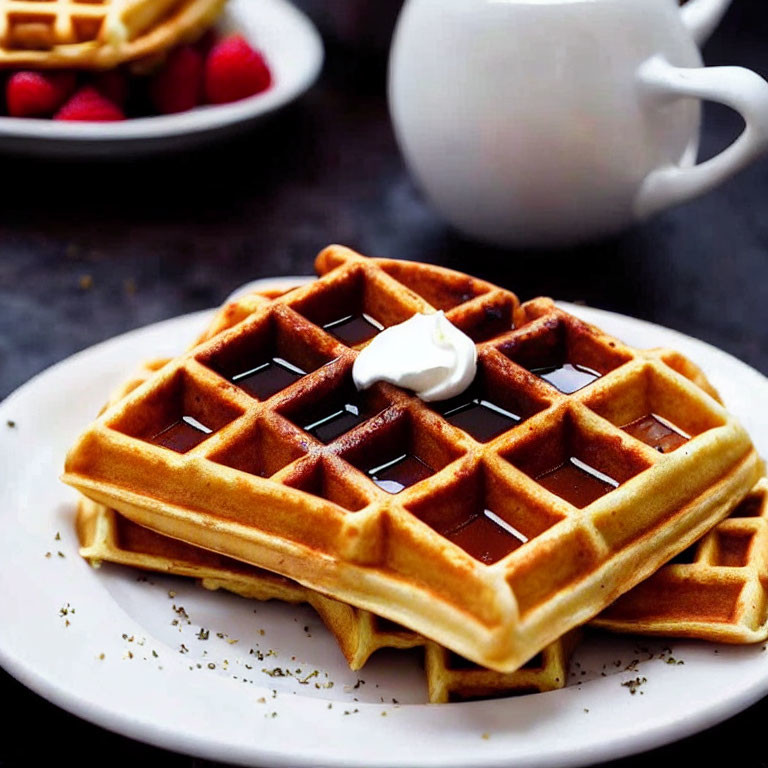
{"x":276,"y":672}
{"x":305,"y":680}
{"x":634,"y":685}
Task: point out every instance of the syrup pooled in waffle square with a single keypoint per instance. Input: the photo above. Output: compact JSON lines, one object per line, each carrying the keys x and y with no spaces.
{"x":492,"y":543}
{"x":96,"y":33}
{"x":106,"y":536}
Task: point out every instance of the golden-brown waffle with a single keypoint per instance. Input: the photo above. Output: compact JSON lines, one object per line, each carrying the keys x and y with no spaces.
{"x":106,"y":536}
{"x":495,"y":588}
{"x":97,"y":34}
{"x":715,"y":590}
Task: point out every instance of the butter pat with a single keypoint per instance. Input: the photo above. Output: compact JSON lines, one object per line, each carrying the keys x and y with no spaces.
{"x":426,"y":353}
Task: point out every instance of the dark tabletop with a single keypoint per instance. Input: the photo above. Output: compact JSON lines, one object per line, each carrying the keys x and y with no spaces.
{"x":89,"y":250}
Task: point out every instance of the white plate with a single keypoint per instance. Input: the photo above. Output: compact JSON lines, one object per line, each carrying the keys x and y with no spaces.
{"x":291,"y":45}
{"x":60,"y":616}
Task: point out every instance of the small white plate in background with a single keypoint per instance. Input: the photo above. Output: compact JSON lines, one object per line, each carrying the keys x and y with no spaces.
{"x":291,"y":45}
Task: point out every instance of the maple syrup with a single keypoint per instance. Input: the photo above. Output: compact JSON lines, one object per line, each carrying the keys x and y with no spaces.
{"x":330,"y":422}
{"x":353,"y":330}
{"x":267,"y":379}
{"x":183,"y":435}
{"x":659,"y":434}
{"x":486,"y":537}
{"x":400,"y":473}
{"x":482,"y":419}
{"x":568,"y":377}
{"x":577,"y":482}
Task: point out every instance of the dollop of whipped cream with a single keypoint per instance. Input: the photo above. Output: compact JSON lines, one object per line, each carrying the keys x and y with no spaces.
{"x":426,"y":353}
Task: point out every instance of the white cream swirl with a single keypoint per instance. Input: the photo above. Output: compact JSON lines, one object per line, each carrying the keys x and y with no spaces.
{"x":426,"y":353}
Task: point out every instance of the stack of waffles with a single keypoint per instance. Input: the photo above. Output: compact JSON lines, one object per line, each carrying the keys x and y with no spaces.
{"x":486,"y":528}
{"x":97,"y":34}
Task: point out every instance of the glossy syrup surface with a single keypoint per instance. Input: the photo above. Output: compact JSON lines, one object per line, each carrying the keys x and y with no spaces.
{"x":400,"y":473}
{"x":354,"y":329}
{"x":268,"y":378}
{"x":654,"y":432}
{"x":183,"y":435}
{"x":485,"y":538}
{"x":479,"y":418}
{"x":577,"y":482}
{"x":330,"y":422}
{"x":568,"y":377}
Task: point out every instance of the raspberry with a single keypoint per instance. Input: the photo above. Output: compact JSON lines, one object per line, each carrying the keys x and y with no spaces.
{"x":113,"y":85}
{"x":89,"y":105}
{"x":234,"y":71}
{"x":37,"y":94}
{"x":178,"y":86}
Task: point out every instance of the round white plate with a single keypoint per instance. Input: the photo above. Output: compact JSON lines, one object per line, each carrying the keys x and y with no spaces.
{"x":291,"y":45}
{"x":128,"y":653}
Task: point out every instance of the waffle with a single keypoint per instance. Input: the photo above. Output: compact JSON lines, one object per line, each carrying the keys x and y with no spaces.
{"x":106,"y":536}
{"x":715,"y":590}
{"x":97,"y":34}
{"x":498,"y":544}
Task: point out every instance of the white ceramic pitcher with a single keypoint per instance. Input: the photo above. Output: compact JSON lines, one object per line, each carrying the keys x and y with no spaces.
{"x":544,"y":122}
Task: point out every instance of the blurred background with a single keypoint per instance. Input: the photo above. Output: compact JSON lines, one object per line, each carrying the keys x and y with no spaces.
{"x":92,"y":249}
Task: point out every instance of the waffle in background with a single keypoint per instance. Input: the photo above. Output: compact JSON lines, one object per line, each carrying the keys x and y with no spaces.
{"x":97,"y":34}
{"x":576,"y":405}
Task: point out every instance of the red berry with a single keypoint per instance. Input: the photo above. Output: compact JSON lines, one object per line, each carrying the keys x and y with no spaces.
{"x":89,"y":105}
{"x":37,"y":94}
{"x":178,"y":86}
{"x":235,"y":71}
{"x":112,"y":84}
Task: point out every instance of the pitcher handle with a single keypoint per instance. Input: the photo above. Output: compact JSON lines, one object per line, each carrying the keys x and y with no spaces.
{"x":736,"y":87}
{"x":701,"y":17}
